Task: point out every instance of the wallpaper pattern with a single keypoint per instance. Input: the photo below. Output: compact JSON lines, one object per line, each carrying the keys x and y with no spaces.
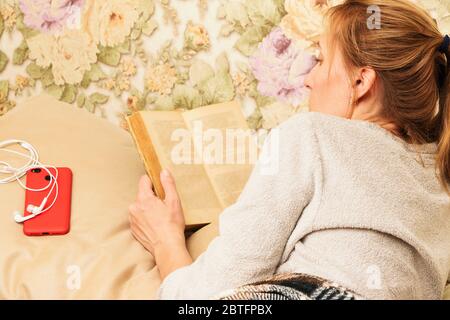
{"x":115,"y":57}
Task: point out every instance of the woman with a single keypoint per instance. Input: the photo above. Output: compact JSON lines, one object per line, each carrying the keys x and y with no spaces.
{"x":361,"y":198}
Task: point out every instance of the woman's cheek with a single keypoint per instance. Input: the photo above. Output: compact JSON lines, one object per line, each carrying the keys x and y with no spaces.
{"x":320,"y":96}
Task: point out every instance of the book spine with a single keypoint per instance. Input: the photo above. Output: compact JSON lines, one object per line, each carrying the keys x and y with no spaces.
{"x":147,"y":151}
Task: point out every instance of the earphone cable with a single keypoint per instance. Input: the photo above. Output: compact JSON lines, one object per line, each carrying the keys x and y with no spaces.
{"x":33,"y":162}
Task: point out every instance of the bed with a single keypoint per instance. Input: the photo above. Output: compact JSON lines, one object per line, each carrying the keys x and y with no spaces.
{"x":99,"y":258}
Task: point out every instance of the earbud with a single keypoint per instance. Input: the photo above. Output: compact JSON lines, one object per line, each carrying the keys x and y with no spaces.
{"x":19,"y":218}
{"x":34,"y":210}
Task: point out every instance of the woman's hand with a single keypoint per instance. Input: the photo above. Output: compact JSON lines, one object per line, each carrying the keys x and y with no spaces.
{"x":157,"y":223}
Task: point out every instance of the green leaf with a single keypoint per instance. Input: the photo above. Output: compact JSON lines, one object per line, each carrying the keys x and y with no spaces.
{"x":255,"y":119}
{"x":21,"y":53}
{"x":96,"y":73}
{"x":222,"y":63}
{"x":85,"y":82}
{"x":276,"y":113}
{"x":151,"y":99}
{"x":47,"y":78}
{"x":26,"y":32}
{"x":262,"y":101}
{"x":4,"y":90}
{"x":251,"y":38}
{"x":89,"y":106}
{"x":200,"y":72}
{"x":242,"y":66}
{"x":109,"y":56}
{"x":218,"y":89}
{"x":80,"y":100}
{"x":93,"y":75}
{"x":2,"y":25}
{"x":236,"y":15}
{"x":55,"y":90}
{"x":34,"y":71}
{"x":186,"y":97}
{"x":98,"y":98}
{"x":124,"y":47}
{"x":140,"y":105}
{"x":263,"y":12}
{"x":44,"y":74}
{"x":164,"y":103}
{"x":69,"y":94}
{"x":281,"y":8}
{"x":3,"y":61}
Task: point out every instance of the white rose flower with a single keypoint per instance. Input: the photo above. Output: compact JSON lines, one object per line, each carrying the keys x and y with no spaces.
{"x":303,"y":22}
{"x":109,"y":22}
{"x":70,"y":54}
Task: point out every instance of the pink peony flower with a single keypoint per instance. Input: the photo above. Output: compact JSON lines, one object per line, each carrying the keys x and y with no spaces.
{"x":51,"y":15}
{"x":280,"y":68}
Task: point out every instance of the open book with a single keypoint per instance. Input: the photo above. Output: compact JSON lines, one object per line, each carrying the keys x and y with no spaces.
{"x":204,"y":150}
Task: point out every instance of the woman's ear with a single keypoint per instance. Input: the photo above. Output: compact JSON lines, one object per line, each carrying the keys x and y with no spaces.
{"x":364,"y":81}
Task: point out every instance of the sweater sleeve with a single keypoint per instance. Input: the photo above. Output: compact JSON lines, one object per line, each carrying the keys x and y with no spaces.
{"x":254,"y":230}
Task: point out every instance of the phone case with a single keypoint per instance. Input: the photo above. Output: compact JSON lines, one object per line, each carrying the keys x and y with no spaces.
{"x":56,"y":220}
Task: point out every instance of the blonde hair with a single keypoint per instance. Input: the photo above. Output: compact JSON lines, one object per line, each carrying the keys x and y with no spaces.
{"x":414,"y":74}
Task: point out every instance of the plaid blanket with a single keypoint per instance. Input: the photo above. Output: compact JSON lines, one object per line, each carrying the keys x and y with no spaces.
{"x":290,"y":286}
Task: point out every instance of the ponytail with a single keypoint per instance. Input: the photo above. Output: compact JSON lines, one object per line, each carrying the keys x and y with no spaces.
{"x":443,"y":125}
{"x":412,"y":60}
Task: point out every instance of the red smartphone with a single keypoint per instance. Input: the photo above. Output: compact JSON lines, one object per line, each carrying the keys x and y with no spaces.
{"x":56,"y":220}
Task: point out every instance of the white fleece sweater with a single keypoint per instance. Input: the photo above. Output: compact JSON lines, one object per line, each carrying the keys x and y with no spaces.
{"x":351,"y":203}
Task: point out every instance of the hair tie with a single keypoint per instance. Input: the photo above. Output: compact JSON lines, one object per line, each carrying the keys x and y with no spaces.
{"x":445,"y":44}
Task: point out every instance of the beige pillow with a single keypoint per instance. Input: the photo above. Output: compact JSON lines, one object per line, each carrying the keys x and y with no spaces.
{"x":100,"y":248}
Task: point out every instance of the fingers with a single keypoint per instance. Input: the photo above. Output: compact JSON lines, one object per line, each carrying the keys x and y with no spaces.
{"x":145,"y":188}
{"x":170,"y":188}
{"x":136,"y":228}
{"x":139,"y":234}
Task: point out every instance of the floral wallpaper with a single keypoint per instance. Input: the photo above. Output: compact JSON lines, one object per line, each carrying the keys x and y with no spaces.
{"x":116,"y":57}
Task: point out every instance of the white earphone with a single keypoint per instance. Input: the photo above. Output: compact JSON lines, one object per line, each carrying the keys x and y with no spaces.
{"x":17,"y":173}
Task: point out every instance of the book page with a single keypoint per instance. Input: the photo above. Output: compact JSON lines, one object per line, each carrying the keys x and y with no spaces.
{"x":228,"y":155}
{"x":199,"y":201}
